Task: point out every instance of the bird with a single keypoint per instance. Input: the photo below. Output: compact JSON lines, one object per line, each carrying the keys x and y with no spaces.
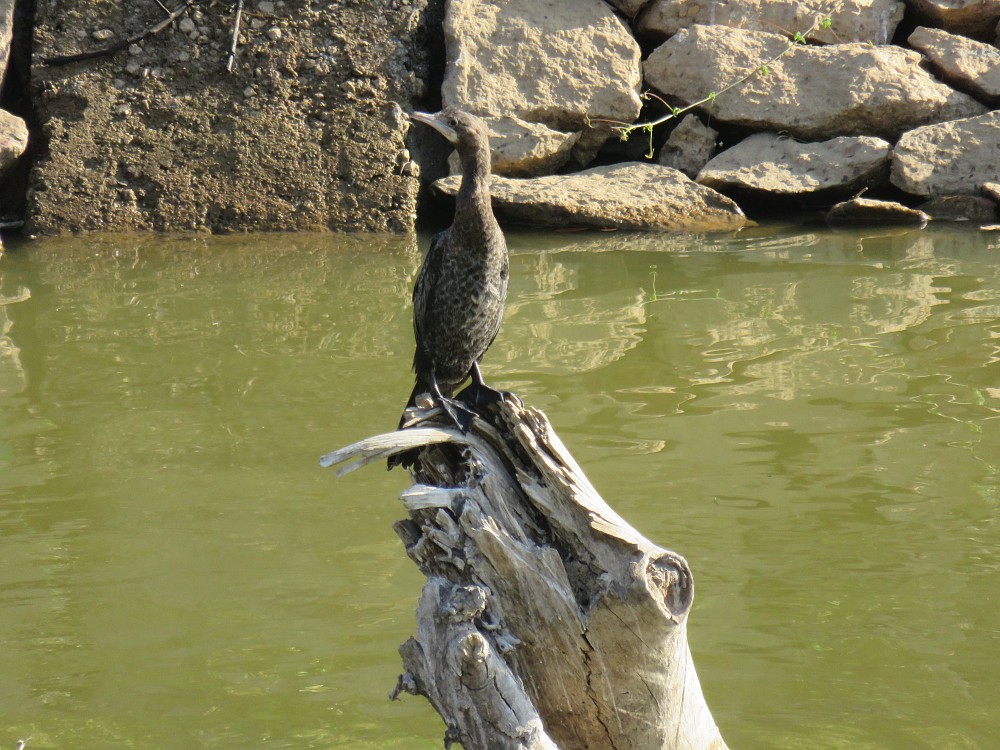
{"x":459,"y":294}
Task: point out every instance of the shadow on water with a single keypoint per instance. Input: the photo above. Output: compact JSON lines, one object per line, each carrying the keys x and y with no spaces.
{"x":809,"y":416}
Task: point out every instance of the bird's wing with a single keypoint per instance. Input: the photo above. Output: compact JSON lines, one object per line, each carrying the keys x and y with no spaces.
{"x":423,"y":293}
{"x":505,"y":273}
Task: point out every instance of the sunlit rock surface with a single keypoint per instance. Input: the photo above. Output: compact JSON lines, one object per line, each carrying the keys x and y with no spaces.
{"x":870,"y":211}
{"x":871,"y":21}
{"x":523,"y":149}
{"x":973,"y":67}
{"x":811,"y":92}
{"x":621,"y":196}
{"x":772,"y":163}
{"x":564,"y":65}
{"x":689,"y":146}
{"x":949,"y":157}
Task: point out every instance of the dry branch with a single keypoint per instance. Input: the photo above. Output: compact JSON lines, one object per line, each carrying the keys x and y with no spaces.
{"x":547,"y":621}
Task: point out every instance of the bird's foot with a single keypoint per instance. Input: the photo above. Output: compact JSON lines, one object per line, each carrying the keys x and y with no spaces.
{"x":458,"y":412}
{"x":477,"y":395}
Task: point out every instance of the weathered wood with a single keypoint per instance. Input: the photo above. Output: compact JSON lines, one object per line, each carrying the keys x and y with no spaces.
{"x":547,"y":621}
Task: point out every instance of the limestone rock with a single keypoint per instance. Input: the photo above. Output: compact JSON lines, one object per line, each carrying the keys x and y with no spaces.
{"x":975,"y":18}
{"x":872,"y":21}
{"x":972,"y":208}
{"x":869,"y":211}
{"x":620,"y":196}
{"x":992,"y":191}
{"x":689,"y":146}
{"x":13,"y":138}
{"x":950,"y":157}
{"x":556,"y":63}
{"x":767,"y":162}
{"x":812,"y":92}
{"x":966,"y":64}
{"x":523,"y":149}
{"x":6,"y":30}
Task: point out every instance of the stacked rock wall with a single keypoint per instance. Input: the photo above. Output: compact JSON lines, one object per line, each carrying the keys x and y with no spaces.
{"x":840,"y":96}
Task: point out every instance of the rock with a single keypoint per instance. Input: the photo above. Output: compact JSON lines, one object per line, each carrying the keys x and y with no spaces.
{"x":869,"y":211}
{"x":689,"y":146}
{"x":559,"y":64}
{"x":812,"y":92}
{"x":6,"y":30}
{"x":968,"y":65}
{"x":524,"y":149}
{"x":974,"y":18}
{"x":961,"y":208}
{"x":620,"y":196}
{"x":949,"y":157}
{"x":872,"y":21}
{"x":13,"y":138}
{"x":780,"y":165}
{"x":992,"y":191}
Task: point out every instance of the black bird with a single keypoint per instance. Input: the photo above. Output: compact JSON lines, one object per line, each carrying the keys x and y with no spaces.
{"x":459,"y":295}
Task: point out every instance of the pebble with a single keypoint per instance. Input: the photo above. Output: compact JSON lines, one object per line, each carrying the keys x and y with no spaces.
{"x":248,"y":91}
{"x":134,"y":49}
{"x":186,"y":25}
{"x":133,"y":68}
{"x":103,"y":35}
{"x":265,"y":6}
{"x":274,"y":34}
{"x":183,"y":55}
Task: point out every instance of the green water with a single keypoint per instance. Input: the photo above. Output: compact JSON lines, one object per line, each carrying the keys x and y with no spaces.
{"x":811,"y":418}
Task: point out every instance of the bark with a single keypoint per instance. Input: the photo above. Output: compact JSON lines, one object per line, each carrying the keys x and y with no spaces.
{"x":547,"y":621}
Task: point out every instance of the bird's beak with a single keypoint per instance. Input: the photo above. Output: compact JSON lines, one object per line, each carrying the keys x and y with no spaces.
{"x":438,"y":124}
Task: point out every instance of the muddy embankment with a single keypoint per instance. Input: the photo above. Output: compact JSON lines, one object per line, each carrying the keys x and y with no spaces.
{"x":832,"y":99}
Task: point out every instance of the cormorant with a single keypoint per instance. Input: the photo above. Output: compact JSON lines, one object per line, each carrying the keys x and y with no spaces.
{"x":460,"y":291}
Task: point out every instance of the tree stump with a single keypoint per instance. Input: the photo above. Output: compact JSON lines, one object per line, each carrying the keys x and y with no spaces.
{"x":546,"y":620}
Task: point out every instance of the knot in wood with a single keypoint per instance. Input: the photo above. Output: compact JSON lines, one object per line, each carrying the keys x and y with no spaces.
{"x":472,"y":651}
{"x":465,"y":603}
{"x":669,"y":579}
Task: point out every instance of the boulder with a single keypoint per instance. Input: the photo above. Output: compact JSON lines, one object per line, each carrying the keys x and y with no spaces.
{"x":869,"y":211}
{"x":949,"y":157}
{"x":689,"y":146}
{"x":974,"y":18}
{"x":13,"y":138}
{"x":968,"y":65}
{"x":992,"y":191}
{"x":523,"y":149}
{"x":972,"y":208}
{"x":780,"y":165}
{"x":871,"y":21}
{"x":620,"y":196}
{"x":565,"y":65}
{"x":811,"y":92}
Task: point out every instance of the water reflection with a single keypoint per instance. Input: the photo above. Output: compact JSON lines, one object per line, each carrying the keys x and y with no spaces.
{"x":809,"y":416}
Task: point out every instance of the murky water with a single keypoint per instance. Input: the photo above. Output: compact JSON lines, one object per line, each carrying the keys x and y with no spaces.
{"x":810,"y":417}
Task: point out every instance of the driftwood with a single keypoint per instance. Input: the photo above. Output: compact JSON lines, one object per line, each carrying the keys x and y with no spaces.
{"x":546,"y":620}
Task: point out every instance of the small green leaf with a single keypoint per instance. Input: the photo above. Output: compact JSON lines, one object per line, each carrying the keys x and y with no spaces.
{"x":711,"y":96}
{"x":800,"y":37}
{"x":675,"y":111}
{"x":764,"y":70}
{"x":827,"y":23}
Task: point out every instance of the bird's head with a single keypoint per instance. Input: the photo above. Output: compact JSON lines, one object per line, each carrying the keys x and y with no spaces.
{"x":462,"y":129}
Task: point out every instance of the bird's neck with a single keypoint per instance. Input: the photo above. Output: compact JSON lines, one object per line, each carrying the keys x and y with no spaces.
{"x":473,"y":203}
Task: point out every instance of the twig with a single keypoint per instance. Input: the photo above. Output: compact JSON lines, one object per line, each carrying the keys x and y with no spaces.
{"x":236,"y":36}
{"x":121,"y":43}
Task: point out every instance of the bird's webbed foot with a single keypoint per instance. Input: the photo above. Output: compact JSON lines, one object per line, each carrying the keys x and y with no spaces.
{"x":478,"y":394}
{"x":457,"y":411}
